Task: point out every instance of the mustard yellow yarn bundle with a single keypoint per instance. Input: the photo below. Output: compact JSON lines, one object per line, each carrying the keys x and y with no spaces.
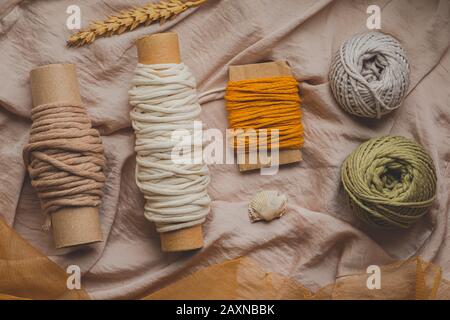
{"x":266,"y":104}
{"x":390,"y":181}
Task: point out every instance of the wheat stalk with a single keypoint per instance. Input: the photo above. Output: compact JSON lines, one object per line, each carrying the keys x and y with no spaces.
{"x":130,"y":20}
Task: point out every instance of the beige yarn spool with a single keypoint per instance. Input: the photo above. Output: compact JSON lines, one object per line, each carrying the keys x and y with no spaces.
{"x":163,"y":48}
{"x":74,"y":222}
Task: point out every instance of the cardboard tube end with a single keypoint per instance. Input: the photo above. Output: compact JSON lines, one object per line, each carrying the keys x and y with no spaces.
{"x":55,"y":83}
{"x":182,"y":240}
{"x":159,"y":48}
{"x":76,"y":226}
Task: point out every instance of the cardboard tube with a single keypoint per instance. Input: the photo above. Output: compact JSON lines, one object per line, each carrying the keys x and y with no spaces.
{"x":159,"y":48}
{"x":71,"y":226}
{"x":164,"y":48}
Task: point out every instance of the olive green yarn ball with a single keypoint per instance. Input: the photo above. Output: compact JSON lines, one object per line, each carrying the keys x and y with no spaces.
{"x":390,"y":181}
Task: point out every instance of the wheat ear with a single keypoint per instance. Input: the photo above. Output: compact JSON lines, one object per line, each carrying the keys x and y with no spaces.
{"x":130,"y":20}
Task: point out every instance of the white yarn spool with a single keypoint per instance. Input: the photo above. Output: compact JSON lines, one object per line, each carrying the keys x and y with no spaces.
{"x":164,"y":99}
{"x":369,"y":75}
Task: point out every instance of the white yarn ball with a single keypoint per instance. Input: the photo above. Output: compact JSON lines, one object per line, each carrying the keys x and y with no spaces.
{"x":369,"y":75}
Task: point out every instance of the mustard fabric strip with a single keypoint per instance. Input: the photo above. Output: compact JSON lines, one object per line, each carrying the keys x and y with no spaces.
{"x":26,"y":274}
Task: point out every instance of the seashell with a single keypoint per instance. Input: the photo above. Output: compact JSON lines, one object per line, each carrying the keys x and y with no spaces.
{"x":267,"y":205}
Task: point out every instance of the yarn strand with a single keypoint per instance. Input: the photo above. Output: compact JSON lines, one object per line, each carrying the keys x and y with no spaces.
{"x":266,"y":103}
{"x":164,"y":99}
{"x":64,"y":157}
{"x":369,"y":75}
{"x":390,"y":181}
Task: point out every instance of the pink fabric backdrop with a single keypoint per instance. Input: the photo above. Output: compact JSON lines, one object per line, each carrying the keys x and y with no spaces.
{"x":319,"y":239}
